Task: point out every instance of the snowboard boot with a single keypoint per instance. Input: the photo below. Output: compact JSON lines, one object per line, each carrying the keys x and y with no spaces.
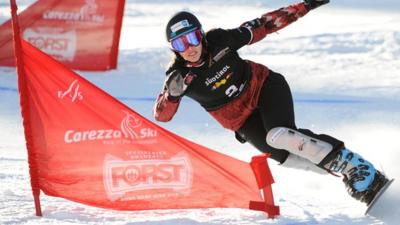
{"x":362,"y":180}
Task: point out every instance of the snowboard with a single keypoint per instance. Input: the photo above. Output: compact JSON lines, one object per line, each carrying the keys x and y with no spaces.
{"x":378,"y":196}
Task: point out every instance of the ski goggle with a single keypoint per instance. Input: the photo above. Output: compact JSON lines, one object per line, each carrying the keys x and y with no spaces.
{"x":183,"y":42}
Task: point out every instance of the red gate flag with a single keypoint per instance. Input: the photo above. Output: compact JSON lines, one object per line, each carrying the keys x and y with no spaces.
{"x":86,"y":146}
{"x":82,"y":34}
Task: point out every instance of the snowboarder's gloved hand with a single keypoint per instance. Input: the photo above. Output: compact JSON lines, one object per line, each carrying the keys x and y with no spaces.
{"x":177,"y":83}
{"x":312,"y":4}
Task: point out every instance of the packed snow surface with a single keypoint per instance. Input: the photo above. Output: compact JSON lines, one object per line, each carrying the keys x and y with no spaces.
{"x":341,"y":60}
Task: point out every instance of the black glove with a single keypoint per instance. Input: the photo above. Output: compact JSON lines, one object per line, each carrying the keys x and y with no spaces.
{"x":312,"y":4}
{"x":177,"y":84}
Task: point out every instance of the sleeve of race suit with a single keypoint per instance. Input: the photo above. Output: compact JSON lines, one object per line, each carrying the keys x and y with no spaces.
{"x":165,"y":107}
{"x":273,"y":21}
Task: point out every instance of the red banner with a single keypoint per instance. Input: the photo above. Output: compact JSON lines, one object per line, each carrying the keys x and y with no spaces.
{"x":82,"y":34}
{"x":86,"y":146}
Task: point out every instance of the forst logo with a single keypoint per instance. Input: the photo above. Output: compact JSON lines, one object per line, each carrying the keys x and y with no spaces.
{"x":56,"y":42}
{"x":49,"y":43}
{"x":121,"y":177}
{"x":151,"y":173}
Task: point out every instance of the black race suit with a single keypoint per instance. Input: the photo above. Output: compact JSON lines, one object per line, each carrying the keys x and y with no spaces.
{"x":241,"y":95}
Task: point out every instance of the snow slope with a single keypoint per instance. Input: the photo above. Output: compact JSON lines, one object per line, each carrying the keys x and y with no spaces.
{"x":343,"y":64}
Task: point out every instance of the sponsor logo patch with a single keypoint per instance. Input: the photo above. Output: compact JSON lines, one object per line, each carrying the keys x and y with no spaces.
{"x":180,"y":25}
{"x":56,"y":42}
{"x":72,"y":92}
{"x":132,"y":131}
{"x":87,"y":13}
{"x":123,"y":178}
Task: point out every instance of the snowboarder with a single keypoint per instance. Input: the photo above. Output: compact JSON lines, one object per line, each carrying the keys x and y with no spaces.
{"x":252,"y":100}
